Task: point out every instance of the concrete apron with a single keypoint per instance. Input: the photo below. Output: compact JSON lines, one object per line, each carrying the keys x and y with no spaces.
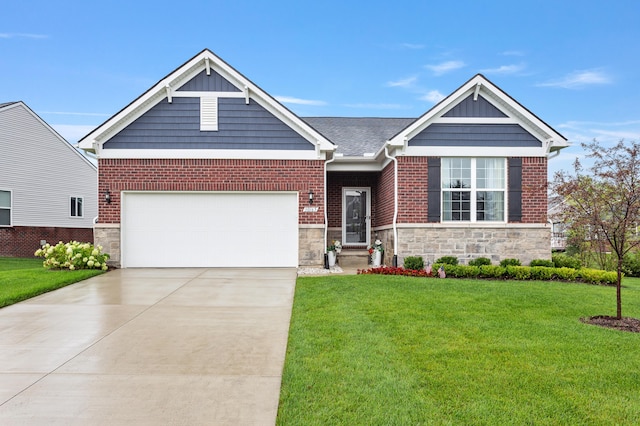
{"x":149,"y":346}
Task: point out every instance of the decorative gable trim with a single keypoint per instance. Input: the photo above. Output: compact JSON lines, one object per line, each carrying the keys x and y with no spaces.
{"x":505,"y":111}
{"x":168,"y":88}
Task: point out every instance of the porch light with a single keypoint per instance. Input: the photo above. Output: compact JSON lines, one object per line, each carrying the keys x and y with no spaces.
{"x":107,"y":197}
{"x":310,"y":196}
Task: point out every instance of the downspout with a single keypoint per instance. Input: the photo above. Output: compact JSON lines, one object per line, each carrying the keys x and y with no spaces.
{"x":326,"y":216}
{"x":395,"y":204}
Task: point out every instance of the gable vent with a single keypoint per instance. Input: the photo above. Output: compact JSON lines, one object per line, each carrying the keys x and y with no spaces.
{"x":209,"y":113}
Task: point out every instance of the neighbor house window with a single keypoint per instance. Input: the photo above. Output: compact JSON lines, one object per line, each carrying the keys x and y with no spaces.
{"x":5,"y":208}
{"x":76,"y":206}
{"x":473,"y":189}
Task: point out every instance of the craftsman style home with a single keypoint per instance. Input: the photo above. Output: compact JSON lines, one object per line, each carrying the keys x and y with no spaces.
{"x":207,"y":169}
{"x":48,"y":190}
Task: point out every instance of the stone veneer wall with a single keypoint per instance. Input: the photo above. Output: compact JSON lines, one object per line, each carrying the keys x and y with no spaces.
{"x":525,"y":242}
{"x":108,"y":236}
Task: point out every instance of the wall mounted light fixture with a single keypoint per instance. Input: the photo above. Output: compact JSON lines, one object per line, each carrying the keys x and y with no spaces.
{"x":107,"y":197}
{"x":310,"y":197}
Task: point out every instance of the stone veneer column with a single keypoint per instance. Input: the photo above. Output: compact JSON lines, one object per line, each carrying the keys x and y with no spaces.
{"x":311,"y":245}
{"x":107,"y":235}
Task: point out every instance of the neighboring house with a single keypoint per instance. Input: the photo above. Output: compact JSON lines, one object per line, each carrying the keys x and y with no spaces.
{"x":558,"y":227}
{"x":48,"y":189}
{"x":207,"y":169}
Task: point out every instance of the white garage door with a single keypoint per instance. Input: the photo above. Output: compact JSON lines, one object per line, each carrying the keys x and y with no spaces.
{"x":203,"y":229}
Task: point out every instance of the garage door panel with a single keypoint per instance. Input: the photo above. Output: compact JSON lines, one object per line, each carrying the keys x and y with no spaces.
{"x":210,"y":229}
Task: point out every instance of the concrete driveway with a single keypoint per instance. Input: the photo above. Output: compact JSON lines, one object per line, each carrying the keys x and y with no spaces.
{"x":149,"y":347}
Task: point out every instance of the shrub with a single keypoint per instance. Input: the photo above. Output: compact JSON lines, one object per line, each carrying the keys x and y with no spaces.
{"x":492,"y":271}
{"x":413,"y":262}
{"x":542,"y":262}
{"x":542,"y":273}
{"x":72,"y":256}
{"x":597,"y":276}
{"x":563,"y":261}
{"x":518,"y":272}
{"x":448,"y":260}
{"x":480,"y":261}
{"x":509,"y":262}
{"x":631,"y":265}
{"x":566,"y":274}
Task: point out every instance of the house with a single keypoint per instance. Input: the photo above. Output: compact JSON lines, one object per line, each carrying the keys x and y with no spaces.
{"x":207,"y":169}
{"x":48,"y":189}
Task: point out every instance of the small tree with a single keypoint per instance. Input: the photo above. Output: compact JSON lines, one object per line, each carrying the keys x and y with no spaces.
{"x":605,"y":202}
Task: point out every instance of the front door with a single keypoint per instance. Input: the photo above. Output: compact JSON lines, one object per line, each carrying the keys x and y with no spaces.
{"x":356,"y":216}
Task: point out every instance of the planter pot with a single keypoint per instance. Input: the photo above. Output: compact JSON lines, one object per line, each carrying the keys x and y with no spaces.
{"x":332,"y":259}
{"x":376,"y":258}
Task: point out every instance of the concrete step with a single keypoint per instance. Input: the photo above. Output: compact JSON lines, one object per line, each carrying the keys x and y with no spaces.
{"x":354,"y":258}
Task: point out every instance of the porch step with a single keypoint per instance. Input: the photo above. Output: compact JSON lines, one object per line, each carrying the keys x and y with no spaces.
{"x":354,"y":258}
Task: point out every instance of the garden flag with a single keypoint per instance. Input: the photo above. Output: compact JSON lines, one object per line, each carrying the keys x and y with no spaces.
{"x":428,"y":269}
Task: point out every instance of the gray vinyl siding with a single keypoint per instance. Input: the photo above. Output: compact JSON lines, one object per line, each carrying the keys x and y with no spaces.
{"x":478,"y":108}
{"x":43,"y":171}
{"x":177,"y":126}
{"x":208,"y":83}
{"x":475,"y":135}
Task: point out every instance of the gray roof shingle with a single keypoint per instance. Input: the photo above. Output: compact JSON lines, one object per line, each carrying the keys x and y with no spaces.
{"x":356,"y":136}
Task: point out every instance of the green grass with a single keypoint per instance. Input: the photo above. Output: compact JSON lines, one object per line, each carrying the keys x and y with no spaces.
{"x":21,"y":279}
{"x":388,"y":350}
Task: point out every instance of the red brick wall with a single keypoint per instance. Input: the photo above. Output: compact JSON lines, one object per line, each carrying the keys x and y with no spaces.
{"x":385,"y":196}
{"x":412,"y":189}
{"x":23,"y":241}
{"x":534,"y":190}
{"x":210,"y":175}
{"x":336,"y":181}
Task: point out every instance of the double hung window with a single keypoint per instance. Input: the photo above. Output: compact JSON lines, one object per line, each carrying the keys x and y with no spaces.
{"x":76,"y":207}
{"x":473,"y":189}
{"x":5,"y":208}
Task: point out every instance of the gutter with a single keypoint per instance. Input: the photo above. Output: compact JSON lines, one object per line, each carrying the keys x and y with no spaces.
{"x":326,"y":216}
{"x":395,"y":204}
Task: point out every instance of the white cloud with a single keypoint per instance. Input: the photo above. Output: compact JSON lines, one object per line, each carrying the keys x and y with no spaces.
{"x":23,"y":35}
{"x":72,"y":133}
{"x":445,"y":67}
{"x":405,"y":82}
{"x":298,"y":101}
{"x":504,"y":69}
{"x":579,"y":79}
{"x":432,"y":96}
{"x":412,"y":46}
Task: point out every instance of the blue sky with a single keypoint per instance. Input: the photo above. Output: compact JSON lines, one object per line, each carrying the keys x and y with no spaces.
{"x":574,"y":64}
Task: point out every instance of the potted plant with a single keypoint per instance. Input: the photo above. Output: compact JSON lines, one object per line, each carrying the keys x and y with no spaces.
{"x":375,"y":251}
{"x":333,"y":250}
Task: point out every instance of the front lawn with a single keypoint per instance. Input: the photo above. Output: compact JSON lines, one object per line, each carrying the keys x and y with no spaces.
{"x":21,"y":279}
{"x":391,"y":350}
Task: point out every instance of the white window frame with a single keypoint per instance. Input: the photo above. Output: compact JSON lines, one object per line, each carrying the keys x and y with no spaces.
{"x":10,"y":208}
{"x":71,"y":200}
{"x":474,"y":193}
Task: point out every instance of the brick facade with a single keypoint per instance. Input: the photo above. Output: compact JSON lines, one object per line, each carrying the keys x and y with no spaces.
{"x":412,"y":189}
{"x":534,"y":190}
{"x":118,"y":175}
{"x":23,"y":241}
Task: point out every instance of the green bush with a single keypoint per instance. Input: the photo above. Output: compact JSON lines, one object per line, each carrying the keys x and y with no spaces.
{"x":563,"y":261}
{"x":480,"y":261}
{"x":566,"y":274}
{"x":492,"y":271}
{"x":509,"y":262}
{"x":542,"y":273}
{"x":448,"y":260}
{"x":73,"y":255}
{"x":413,"y":262}
{"x":631,"y":265}
{"x":518,"y":272}
{"x":542,"y":262}
{"x":597,"y":276}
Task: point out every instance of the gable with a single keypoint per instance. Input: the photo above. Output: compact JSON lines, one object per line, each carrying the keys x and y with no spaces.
{"x":479,"y":107}
{"x":206,"y":109}
{"x":176,"y":125}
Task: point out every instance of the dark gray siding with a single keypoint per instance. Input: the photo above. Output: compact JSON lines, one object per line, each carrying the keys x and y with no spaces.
{"x":507,"y":135}
{"x":208,"y":83}
{"x":177,"y":126}
{"x":478,"y":108}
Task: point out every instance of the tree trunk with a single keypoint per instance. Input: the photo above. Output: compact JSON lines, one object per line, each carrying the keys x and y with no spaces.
{"x":618,"y":291}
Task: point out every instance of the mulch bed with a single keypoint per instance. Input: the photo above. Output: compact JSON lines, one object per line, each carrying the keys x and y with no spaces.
{"x":624,"y":324}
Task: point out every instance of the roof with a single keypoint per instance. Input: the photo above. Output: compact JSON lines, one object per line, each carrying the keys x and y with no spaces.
{"x":356,"y":136}
{"x":2,"y":105}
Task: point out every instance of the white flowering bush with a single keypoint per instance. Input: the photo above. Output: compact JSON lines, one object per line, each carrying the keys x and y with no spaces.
{"x":72,"y":256}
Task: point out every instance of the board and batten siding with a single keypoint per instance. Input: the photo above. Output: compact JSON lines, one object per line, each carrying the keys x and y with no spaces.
{"x":176,"y":125}
{"x":475,"y":135}
{"x":43,"y":171}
